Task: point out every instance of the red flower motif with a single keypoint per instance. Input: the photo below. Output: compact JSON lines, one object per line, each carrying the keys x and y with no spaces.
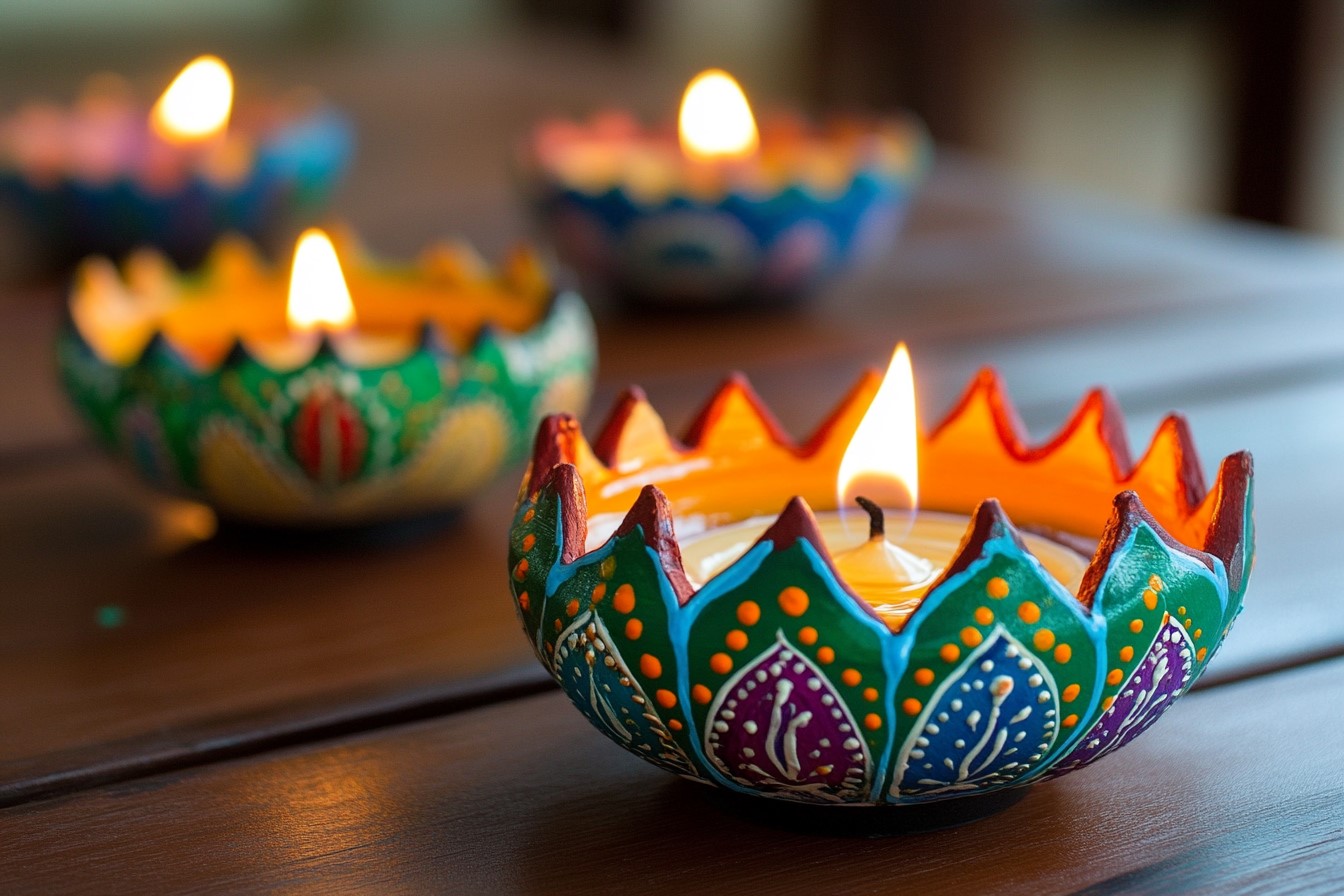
{"x":328,"y":437}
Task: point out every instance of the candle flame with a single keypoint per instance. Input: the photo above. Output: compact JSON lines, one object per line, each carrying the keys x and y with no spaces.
{"x":882,"y":460}
{"x":716,"y":120}
{"x":318,"y":295}
{"x":196,"y":104}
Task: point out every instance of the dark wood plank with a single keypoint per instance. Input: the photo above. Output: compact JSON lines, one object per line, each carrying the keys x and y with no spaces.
{"x":1236,"y":790}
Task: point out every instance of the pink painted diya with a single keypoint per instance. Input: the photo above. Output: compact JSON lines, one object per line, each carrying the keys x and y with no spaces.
{"x":323,"y":402}
{"x":107,"y":175}
{"x":1057,"y":602}
{"x":720,"y":213}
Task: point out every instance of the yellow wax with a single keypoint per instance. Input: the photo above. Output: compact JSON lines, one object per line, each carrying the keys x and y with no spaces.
{"x":888,"y":577}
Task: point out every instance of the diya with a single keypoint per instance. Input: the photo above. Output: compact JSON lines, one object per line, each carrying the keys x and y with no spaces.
{"x":1068,"y":600}
{"x":106,"y":175}
{"x":321,"y":404}
{"x":720,"y":212}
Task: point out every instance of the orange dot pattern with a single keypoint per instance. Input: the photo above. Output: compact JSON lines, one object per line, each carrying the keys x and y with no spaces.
{"x":793,"y":601}
{"x":851,"y":677}
{"x":736,"y":639}
{"x":748,"y":612}
{"x":650,"y":665}
{"x":624,"y":601}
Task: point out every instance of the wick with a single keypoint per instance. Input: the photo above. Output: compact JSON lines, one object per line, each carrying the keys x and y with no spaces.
{"x":877,"y":526}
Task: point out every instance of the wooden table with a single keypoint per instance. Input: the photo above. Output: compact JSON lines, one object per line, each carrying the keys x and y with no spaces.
{"x":190,"y":710}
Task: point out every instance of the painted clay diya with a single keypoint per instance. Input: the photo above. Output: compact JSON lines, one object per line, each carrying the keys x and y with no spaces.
{"x":656,"y":225}
{"x":774,"y":679}
{"x":99,"y":177}
{"x":199,"y":384}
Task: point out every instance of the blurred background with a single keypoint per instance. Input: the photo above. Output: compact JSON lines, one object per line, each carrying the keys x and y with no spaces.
{"x":1182,"y":107}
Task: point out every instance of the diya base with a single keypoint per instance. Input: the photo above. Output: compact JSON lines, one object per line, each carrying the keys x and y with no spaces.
{"x":863,"y":821}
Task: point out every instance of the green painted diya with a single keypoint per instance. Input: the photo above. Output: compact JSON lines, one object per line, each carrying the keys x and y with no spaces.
{"x":770,"y":675}
{"x":209,"y":391}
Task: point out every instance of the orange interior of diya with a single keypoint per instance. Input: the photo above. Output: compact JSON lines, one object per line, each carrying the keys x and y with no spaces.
{"x":238,"y":296}
{"x":737,"y":462}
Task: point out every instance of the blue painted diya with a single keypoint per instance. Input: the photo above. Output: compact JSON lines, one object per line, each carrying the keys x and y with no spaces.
{"x":776,"y":682}
{"x":93,"y":180}
{"x":643,"y":223}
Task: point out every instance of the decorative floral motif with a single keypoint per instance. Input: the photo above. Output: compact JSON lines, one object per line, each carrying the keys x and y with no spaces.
{"x":605,"y":690}
{"x":778,"y":725}
{"x":328,"y":437}
{"x":990,"y":723}
{"x":1163,"y":676}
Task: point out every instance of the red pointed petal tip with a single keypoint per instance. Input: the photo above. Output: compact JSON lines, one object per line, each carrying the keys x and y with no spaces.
{"x":735,"y":383}
{"x":797,"y":523}
{"x":1110,"y":428}
{"x":1227,"y":530}
{"x":553,"y":445}
{"x":1126,"y":515}
{"x":987,"y":386}
{"x":987,"y":523}
{"x":609,"y":436}
{"x":652,"y":514}
{"x":565,"y":481}
{"x":1189,"y":472}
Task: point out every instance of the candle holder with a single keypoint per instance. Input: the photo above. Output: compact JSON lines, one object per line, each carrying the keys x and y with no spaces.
{"x":197,"y":384}
{"x":774,"y":679}
{"x":90,"y":178}
{"x":653,"y":229}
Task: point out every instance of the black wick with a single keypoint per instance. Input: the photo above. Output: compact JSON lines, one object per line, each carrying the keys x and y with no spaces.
{"x":877,"y":525}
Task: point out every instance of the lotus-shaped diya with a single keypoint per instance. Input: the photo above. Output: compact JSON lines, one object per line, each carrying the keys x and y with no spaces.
{"x":780,"y":657}
{"x":106,"y":175}
{"x":397,"y":396}
{"x":720,"y":213}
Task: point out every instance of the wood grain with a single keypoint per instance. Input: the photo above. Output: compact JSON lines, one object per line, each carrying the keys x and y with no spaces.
{"x":1236,"y":790}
